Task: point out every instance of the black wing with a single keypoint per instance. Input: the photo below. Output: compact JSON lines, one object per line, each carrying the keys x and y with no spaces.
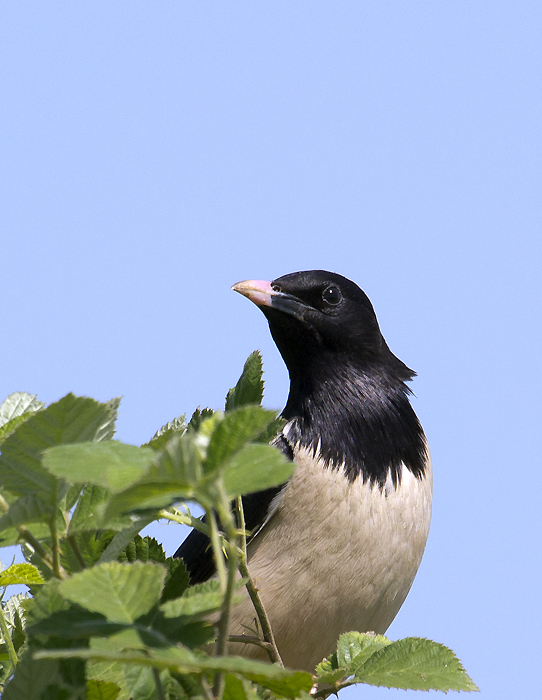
{"x":196,"y":550}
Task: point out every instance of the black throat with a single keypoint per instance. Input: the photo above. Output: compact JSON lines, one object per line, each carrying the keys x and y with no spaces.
{"x":358,"y":418}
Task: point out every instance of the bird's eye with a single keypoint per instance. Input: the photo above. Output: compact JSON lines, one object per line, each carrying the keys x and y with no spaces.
{"x":332,"y":295}
{"x":275,"y":287}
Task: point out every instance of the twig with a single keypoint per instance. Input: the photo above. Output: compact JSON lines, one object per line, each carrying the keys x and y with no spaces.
{"x":267,"y":632}
{"x":247,"y":639}
{"x":232,"y":536}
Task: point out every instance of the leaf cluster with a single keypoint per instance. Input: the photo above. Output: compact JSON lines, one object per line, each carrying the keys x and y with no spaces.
{"x":108,"y":614}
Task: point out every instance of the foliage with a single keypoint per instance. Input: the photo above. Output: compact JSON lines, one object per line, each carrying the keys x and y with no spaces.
{"x":109,"y":616}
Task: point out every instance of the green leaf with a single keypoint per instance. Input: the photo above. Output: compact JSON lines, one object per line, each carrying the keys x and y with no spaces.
{"x":74,"y":623}
{"x":101,"y":690}
{"x":108,"y":672}
{"x":417,"y":664}
{"x":143,"y":549}
{"x":358,"y":647}
{"x":199,"y":416}
{"x":197,"y":602}
{"x":121,"y":592}
{"x":91,"y":545}
{"x":255,"y":468}
{"x":113,"y":465}
{"x":281,"y":681}
{"x":12,"y":536}
{"x":167,"y":431}
{"x":140,"y":683}
{"x":86,"y":515}
{"x":15,"y":617}
{"x":25,"y":574}
{"x":107,"y":428}
{"x":27,"y":509}
{"x":72,"y":419}
{"x":174,"y":475}
{"x":177,"y":579}
{"x":122,"y":539}
{"x":17,"y":404}
{"x":238,"y":689}
{"x":12,"y":425}
{"x":32,"y":679}
{"x":46,"y":602}
{"x":249,"y":388}
{"x":233,"y":433}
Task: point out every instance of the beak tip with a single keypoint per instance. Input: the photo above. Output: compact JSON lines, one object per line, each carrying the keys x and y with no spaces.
{"x":258,"y":291}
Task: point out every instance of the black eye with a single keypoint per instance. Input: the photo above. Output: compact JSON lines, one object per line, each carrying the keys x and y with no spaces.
{"x":275,"y":287}
{"x":332,"y":295}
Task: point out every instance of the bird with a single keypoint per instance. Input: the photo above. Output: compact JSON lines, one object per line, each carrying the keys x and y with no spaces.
{"x":337,"y":547}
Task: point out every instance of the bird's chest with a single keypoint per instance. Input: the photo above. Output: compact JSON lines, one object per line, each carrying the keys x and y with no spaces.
{"x":339,"y":555}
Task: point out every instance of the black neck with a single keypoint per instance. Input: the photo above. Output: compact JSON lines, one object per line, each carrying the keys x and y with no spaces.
{"x":359,"y":417}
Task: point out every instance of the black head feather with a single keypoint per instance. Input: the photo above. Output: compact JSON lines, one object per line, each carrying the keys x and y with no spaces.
{"x":348,"y":397}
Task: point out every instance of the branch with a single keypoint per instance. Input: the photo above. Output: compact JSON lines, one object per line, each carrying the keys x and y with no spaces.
{"x":268,"y":636}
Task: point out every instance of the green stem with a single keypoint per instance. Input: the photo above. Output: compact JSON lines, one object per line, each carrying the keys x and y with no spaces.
{"x":29,"y":538}
{"x":158,"y":684}
{"x":58,"y":571}
{"x":9,"y":642}
{"x":269,"y":638}
{"x":232,"y":536}
{"x":77,"y":551}
{"x":217,"y":550}
{"x":185,"y":520}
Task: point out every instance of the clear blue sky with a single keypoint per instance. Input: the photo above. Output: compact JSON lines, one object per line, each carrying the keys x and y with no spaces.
{"x":154,"y":153}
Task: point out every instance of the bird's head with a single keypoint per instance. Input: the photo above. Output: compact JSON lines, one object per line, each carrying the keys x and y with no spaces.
{"x":317,"y":317}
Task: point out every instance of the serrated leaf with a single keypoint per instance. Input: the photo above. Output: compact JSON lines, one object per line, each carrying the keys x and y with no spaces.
{"x":70,"y":420}
{"x":197,"y":602}
{"x":24,"y":574}
{"x":27,"y":509}
{"x":121,"y":592}
{"x":101,"y":690}
{"x":123,"y":538}
{"x":143,"y":549}
{"x":45,"y":602}
{"x":86,"y":515}
{"x":236,"y":429}
{"x":173,"y":476}
{"x":74,"y":623}
{"x":90,"y":546}
{"x":199,"y":415}
{"x":255,"y":468}
{"x":15,"y":617}
{"x":113,"y":465}
{"x":17,"y":404}
{"x":12,"y":536}
{"x":140,"y":683}
{"x":31,"y":679}
{"x":249,"y":388}
{"x":107,"y":428}
{"x":162,"y":436}
{"x":108,"y":672}
{"x":283,"y":682}
{"x":177,"y":579}
{"x":358,"y":647}
{"x":12,"y":425}
{"x":417,"y":664}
